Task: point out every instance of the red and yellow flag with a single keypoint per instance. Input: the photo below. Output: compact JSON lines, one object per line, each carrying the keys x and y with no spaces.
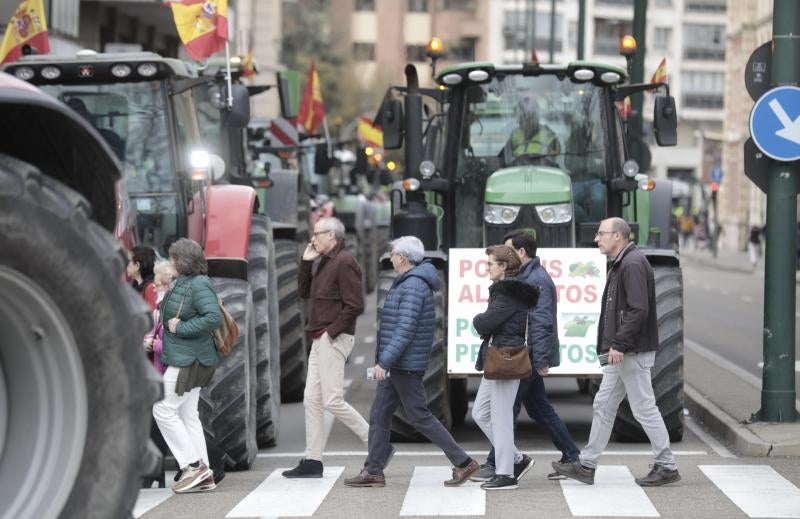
{"x":368,"y":133}
{"x":26,"y":27}
{"x":202,"y":25}
{"x":249,"y":68}
{"x":625,"y":108}
{"x":660,"y":75}
{"x":312,"y":110}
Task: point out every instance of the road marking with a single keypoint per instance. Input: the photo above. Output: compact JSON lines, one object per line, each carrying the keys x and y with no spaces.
{"x":708,"y":439}
{"x":359,"y":359}
{"x":150,"y":498}
{"x":426,"y":454}
{"x":369,"y":339}
{"x":614,"y":493}
{"x":757,"y":490}
{"x":796,"y":366}
{"x":747,"y":299}
{"x":426,"y":495}
{"x":278,"y":496}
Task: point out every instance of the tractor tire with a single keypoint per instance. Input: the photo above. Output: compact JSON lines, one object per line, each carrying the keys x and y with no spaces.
{"x":294,"y":356}
{"x":228,"y":403}
{"x":667,"y":373}
{"x":303,"y":231}
{"x":76,"y":389}
{"x":267,"y":362}
{"x":435,"y":378}
{"x":370,"y":253}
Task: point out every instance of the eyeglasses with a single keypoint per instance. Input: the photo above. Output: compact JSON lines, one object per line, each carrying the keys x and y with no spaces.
{"x":320,"y":232}
{"x":600,"y":233}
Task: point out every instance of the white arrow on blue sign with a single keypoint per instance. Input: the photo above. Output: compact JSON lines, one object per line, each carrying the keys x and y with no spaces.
{"x":775,"y":123}
{"x":716,"y":174}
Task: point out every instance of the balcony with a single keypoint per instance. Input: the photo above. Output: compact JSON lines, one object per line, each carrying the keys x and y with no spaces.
{"x":703,"y":101}
{"x":704,"y":54}
{"x":705,"y":6}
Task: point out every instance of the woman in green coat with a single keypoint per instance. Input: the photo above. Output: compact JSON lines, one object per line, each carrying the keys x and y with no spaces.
{"x":190,"y":313}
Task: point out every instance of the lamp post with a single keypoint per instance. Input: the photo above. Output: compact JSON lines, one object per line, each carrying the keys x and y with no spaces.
{"x":434,"y":51}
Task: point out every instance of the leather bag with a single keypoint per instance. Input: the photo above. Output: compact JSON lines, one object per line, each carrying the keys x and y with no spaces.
{"x":224,"y":336}
{"x":507,"y":362}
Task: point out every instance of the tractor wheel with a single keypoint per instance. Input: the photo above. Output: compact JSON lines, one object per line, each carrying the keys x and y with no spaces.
{"x":303,"y":231}
{"x":76,"y":390}
{"x":228,"y":403}
{"x":435,"y":379}
{"x":294,"y":357}
{"x":370,"y":254}
{"x":260,"y":256}
{"x":667,"y":373}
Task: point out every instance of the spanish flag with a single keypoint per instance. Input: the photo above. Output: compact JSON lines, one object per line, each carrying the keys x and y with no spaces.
{"x":26,"y":27}
{"x":312,"y":110}
{"x":202,"y":25}
{"x":625,"y":109}
{"x":660,"y":75}
{"x":248,"y":65}
{"x":368,"y":133}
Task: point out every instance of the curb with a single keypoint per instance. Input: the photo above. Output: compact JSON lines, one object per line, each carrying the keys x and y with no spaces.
{"x":718,"y":422}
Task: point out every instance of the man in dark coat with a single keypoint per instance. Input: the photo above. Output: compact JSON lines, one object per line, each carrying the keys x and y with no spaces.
{"x":405,"y":339}
{"x":337,"y":299}
{"x":628,"y":335}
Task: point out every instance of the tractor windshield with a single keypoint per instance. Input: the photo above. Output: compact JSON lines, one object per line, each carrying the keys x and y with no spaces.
{"x":517,"y":120}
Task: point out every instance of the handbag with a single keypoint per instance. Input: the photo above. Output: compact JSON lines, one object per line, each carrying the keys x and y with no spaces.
{"x":225,"y":335}
{"x":508,"y":362}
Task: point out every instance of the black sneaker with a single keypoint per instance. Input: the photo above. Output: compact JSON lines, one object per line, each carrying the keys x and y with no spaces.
{"x":659,"y":475}
{"x":500,"y":483}
{"x":305,"y":469}
{"x":522,"y":468}
{"x":555,"y":476}
{"x":576,"y":471}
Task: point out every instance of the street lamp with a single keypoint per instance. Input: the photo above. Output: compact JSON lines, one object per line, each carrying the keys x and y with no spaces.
{"x":434,"y":50}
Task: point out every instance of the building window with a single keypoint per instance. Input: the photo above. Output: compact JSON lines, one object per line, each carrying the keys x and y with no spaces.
{"x":662,"y":37}
{"x":664,"y":3}
{"x":364,"y":51}
{"x":607,"y":35}
{"x":417,"y":6}
{"x":456,"y":5}
{"x":704,"y":42}
{"x":416,"y":53}
{"x":518,"y":30}
{"x":365,"y":5}
{"x":626,"y":3}
{"x":703,"y":89}
{"x":463,"y":51}
{"x":705,"y":6}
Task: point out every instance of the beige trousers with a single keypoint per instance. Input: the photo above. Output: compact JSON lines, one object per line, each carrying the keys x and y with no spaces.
{"x":325,"y":391}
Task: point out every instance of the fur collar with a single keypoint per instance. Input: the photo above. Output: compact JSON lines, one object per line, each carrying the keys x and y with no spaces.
{"x":519,"y":290}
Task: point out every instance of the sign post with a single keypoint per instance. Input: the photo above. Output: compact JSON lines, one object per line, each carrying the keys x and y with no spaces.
{"x":775,"y":128}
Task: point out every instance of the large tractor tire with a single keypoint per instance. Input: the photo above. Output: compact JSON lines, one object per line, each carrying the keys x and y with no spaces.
{"x":76,"y":390}
{"x":294,"y":356}
{"x":261,"y":259}
{"x":437,"y":388}
{"x":667,"y":373}
{"x":228,"y":403}
{"x":369,"y":251}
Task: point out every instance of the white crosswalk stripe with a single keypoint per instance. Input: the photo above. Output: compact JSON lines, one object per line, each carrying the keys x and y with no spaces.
{"x":427,"y":496}
{"x":150,"y":498}
{"x":614,"y":494}
{"x":757,"y":490}
{"x":277,"y":496}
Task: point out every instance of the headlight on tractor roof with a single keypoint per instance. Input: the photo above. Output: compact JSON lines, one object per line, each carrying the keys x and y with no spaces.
{"x":50,"y":72}
{"x":121,"y":70}
{"x":146,"y":69}
{"x":557,"y":213}
{"x":500,"y":214}
{"x":24,"y":73}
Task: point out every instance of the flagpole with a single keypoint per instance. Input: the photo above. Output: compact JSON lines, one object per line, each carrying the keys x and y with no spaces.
{"x":228,"y":68}
{"x":327,"y":135}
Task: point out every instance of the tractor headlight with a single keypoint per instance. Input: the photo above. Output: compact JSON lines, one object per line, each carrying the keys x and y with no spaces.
{"x":500,"y":214}
{"x":557,"y":213}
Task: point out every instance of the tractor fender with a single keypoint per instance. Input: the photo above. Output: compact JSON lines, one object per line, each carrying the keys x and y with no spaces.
{"x":229,"y":210}
{"x":283,"y":231}
{"x":662,"y":257}
{"x":60,"y":143}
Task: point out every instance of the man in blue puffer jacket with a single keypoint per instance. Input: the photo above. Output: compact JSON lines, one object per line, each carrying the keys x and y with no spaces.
{"x":406,"y":334}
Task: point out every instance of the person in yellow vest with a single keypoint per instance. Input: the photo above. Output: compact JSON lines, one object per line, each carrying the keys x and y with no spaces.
{"x":532,"y":138}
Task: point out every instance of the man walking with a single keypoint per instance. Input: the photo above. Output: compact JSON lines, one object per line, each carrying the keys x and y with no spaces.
{"x":406,"y":334}
{"x":544,"y":346}
{"x":337,"y":299}
{"x":628,"y":333}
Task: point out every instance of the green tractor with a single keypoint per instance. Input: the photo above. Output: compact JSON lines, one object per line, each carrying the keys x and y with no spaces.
{"x":542,"y":147}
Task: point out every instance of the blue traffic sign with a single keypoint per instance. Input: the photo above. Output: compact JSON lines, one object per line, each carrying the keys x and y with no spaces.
{"x":716,"y":174}
{"x":775,"y":123}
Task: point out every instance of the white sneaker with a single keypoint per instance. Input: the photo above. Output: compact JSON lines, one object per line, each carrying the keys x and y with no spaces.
{"x":192,"y":477}
{"x":203,"y":486}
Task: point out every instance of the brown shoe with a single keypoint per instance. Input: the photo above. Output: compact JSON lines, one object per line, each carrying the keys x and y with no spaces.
{"x":365,"y":479}
{"x":461,"y":475}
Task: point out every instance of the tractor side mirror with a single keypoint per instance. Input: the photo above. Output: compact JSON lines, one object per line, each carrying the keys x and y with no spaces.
{"x":322,"y":162}
{"x":238,"y":116}
{"x":665,"y":121}
{"x":392,"y":122}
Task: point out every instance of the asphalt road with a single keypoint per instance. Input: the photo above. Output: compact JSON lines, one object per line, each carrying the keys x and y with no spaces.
{"x":722,"y":312}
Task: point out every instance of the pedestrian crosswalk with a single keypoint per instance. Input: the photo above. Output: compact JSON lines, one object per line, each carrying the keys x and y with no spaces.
{"x":755,"y":490}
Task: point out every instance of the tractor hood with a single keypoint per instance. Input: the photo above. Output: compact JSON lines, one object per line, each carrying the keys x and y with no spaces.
{"x":522,"y":185}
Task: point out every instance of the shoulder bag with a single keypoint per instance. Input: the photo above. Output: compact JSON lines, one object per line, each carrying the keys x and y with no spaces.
{"x":224,"y":336}
{"x":508,"y":362}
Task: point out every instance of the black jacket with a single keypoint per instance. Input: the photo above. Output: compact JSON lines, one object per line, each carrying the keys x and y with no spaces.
{"x":506,"y":317}
{"x":628,"y":319}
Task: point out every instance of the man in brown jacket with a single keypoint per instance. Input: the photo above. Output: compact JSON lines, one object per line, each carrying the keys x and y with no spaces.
{"x":337,"y":299}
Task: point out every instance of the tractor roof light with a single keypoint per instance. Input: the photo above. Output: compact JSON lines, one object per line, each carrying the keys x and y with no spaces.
{"x":452,"y":79}
{"x":121,"y":70}
{"x":147,"y":69}
{"x":411,"y":184}
{"x":627,"y":46}
{"x":478,"y":76}
{"x":24,"y":73}
{"x":427,"y":168}
{"x":584,"y":74}
{"x":50,"y":72}
{"x":630,"y":168}
{"x":609,"y":77}
{"x":645,"y":183}
{"x":200,"y":162}
{"x":435,"y":48}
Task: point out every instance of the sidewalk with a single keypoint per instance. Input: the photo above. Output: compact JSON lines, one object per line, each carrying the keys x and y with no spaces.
{"x":723,"y":396}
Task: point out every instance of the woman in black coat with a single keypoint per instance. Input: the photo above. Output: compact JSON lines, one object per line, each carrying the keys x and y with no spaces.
{"x":503,"y":324}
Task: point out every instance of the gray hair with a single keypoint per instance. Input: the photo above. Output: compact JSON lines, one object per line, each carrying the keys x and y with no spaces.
{"x":165,"y":270}
{"x":188,"y":257}
{"x":410,"y":247}
{"x":332,"y":224}
{"x":621,"y":226}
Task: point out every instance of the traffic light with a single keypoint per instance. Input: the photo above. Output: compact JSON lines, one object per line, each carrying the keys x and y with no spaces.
{"x":714,"y":187}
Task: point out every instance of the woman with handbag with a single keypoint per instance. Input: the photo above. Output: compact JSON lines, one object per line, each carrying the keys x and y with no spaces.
{"x":504,"y":360}
{"x":190,"y":312}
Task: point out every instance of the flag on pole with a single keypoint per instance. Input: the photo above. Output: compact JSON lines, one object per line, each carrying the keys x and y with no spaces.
{"x":625,"y":109}
{"x":312,"y":110}
{"x":248,"y":65}
{"x":660,"y":75}
{"x":202,"y":25}
{"x":27,"y":26}
{"x":369,"y":134}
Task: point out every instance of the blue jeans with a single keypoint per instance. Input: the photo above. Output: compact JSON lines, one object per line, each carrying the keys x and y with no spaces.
{"x":532,"y":395}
